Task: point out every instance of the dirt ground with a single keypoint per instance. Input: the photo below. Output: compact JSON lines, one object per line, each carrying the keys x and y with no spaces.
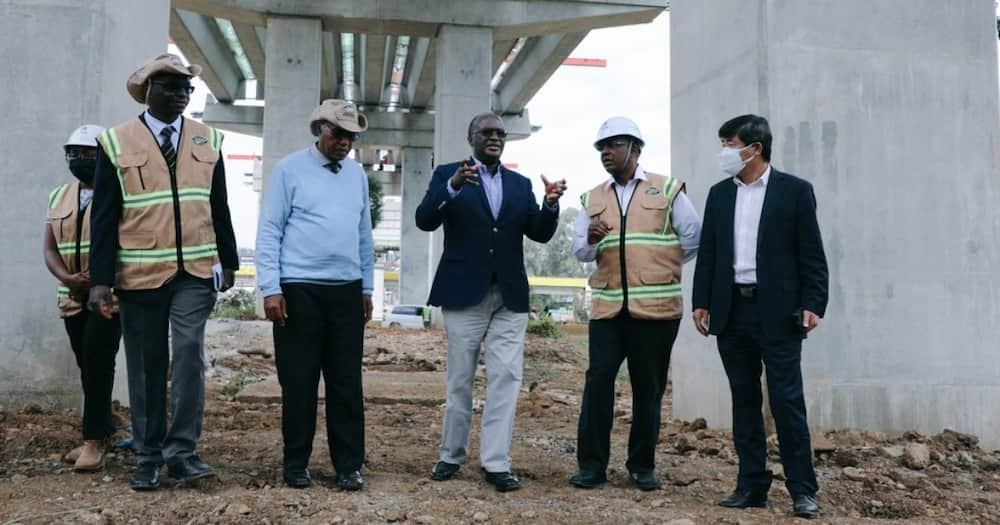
{"x":866,"y":477}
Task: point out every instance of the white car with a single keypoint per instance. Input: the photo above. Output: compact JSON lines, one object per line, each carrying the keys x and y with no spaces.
{"x":405,"y":316}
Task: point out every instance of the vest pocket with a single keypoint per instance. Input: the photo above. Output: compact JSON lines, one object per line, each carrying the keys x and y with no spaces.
{"x":131,"y":165}
{"x":137,"y":240}
{"x":657,"y":277}
{"x":597,"y":281}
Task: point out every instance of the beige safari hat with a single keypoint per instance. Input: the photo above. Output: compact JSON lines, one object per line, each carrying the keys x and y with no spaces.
{"x":165,"y":63}
{"x":340,"y":113}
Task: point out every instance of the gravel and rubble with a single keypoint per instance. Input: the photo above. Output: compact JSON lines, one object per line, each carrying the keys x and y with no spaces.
{"x":866,"y":476}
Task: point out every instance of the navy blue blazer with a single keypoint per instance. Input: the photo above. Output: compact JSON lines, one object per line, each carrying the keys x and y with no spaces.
{"x":476,"y":246}
{"x":791,"y":264}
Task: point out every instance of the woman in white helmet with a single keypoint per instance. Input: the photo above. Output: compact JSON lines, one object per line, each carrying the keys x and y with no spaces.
{"x":94,"y":340}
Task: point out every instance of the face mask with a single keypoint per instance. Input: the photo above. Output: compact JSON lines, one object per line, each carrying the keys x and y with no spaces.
{"x":730,"y":161}
{"x":83,"y":169}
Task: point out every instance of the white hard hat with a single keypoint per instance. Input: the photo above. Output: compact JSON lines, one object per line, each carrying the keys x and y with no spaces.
{"x":85,"y":135}
{"x":618,"y":126}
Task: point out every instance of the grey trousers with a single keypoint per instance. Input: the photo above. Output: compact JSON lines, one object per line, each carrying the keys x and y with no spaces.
{"x":503,"y":332}
{"x":182,"y":306}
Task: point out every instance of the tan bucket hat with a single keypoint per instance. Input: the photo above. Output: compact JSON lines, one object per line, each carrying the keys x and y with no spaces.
{"x":166,"y":63}
{"x":340,"y":113}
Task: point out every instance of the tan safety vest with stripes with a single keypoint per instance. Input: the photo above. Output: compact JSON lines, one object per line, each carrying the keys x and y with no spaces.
{"x":648,"y":247}
{"x":64,"y":211}
{"x":148,"y":255}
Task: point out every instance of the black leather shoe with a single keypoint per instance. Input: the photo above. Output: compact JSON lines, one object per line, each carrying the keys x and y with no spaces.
{"x":297,"y":478}
{"x":503,"y":481}
{"x":146,"y":476}
{"x":741,"y":499}
{"x":586,"y":479}
{"x":350,"y":481}
{"x":804,"y":506}
{"x":644,"y":480}
{"x":444,"y":471}
{"x":189,"y":469}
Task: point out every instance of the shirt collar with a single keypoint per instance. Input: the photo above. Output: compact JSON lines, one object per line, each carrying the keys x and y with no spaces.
{"x":156,"y":125}
{"x":639,"y":175}
{"x":762,"y":181}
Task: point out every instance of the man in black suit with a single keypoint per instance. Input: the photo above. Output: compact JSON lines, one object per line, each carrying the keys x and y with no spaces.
{"x":760,"y":285}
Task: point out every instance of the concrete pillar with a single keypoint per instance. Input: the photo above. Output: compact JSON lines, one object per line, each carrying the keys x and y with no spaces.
{"x":462,"y":90}
{"x":894,"y":119}
{"x":72,"y":75}
{"x":293,"y":71}
{"x":417,"y":264}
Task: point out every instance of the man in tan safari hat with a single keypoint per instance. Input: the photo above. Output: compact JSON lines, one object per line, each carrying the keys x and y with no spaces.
{"x":315,"y":269}
{"x":162,"y":237}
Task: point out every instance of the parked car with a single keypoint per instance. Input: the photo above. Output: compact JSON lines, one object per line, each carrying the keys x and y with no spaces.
{"x":405,"y":316}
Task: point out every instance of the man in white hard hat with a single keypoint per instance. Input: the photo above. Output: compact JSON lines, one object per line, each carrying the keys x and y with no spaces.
{"x":315,"y":268}
{"x":160,"y":232}
{"x":93,"y":338}
{"x":640,"y":227}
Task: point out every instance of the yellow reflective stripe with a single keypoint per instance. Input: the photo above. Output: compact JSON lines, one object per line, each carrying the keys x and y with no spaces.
{"x":56,"y":194}
{"x":68,"y":248}
{"x":144,"y":200}
{"x":639,"y":239}
{"x":216,"y":138}
{"x":666,"y":291}
{"x":585,"y":200}
{"x":166,"y":254}
{"x":62,"y":292}
{"x":669,"y":190}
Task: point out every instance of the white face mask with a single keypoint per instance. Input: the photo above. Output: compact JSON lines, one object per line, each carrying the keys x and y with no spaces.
{"x":730,"y":161}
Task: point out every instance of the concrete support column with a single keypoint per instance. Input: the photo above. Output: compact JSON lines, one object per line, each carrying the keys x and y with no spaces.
{"x":417,"y":263}
{"x":909,"y":218}
{"x":76,"y":76}
{"x":293,"y":70}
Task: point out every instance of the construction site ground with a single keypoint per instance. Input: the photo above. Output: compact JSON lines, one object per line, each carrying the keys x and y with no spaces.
{"x":865,"y":476}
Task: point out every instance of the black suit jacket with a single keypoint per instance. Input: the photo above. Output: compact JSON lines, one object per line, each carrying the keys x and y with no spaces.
{"x":477,"y":246}
{"x":791,"y":265}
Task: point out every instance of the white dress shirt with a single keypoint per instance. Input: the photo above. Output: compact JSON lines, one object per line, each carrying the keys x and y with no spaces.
{"x":683,"y":218}
{"x":746,"y":223}
{"x":156,"y":126}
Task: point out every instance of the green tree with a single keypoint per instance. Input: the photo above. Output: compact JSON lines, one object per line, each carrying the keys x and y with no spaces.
{"x":375,"y":199}
{"x":555,"y":258}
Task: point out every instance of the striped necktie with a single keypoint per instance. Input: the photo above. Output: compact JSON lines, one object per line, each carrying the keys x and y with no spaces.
{"x":333,"y":166}
{"x":167,"y":149}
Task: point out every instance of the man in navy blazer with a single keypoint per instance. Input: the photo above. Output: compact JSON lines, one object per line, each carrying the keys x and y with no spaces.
{"x":482,"y":289}
{"x":760,"y":285}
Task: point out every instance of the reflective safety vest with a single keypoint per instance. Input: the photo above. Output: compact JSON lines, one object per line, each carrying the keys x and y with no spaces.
{"x":639,"y":261}
{"x":155,"y":202}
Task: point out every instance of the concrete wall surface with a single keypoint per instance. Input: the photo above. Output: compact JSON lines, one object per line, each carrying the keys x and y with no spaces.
{"x":890,"y":109}
{"x":64,"y":64}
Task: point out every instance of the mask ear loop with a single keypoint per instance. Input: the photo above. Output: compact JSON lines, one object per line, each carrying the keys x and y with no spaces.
{"x":149,"y":86}
{"x":628,"y":155}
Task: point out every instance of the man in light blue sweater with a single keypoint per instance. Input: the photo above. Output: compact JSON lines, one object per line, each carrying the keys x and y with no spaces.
{"x":315,"y":269}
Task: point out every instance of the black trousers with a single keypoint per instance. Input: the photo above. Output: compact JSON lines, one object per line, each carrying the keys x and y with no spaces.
{"x":95,"y":342}
{"x":745,"y":352}
{"x":323,"y":333}
{"x":646,"y":345}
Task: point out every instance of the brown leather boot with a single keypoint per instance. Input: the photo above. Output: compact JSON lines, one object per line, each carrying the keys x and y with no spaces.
{"x":72,"y":455}
{"x":91,"y":457}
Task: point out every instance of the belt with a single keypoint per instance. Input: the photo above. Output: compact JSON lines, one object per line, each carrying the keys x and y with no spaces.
{"x":746,"y":291}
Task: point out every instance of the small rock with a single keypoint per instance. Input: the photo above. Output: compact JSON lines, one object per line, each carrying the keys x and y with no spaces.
{"x":107,"y":479}
{"x":916,"y":456}
{"x":394,"y":516}
{"x":681,"y":521}
{"x":424,"y":520}
{"x":19,"y":478}
{"x":237,"y":508}
{"x":92,"y":518}
{"x":656,"y":503}
{"x":696,"y":425}
{"x":32,"y":408}
{"x":893,"y":452}
{"x":854,"y":474}
{"x":821,"y":444}
{"x":337,"y":519}
{"x":876,"y":504}
{"x":845,"y":458}
{"x":480,"y":517}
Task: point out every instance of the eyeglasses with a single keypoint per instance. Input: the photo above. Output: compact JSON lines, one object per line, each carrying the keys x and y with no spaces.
{"x":175,"y":87}
{"x":74,"y":154}
{"x":610,"y":143}
{"x":489,"y":132}
{"x":339,"y":133}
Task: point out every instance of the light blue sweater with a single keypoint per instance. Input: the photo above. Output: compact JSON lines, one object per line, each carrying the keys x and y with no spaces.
{"x":315,"y":225}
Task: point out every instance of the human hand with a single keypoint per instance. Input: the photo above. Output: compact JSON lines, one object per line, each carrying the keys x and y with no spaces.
{"x":275,"y":309}
{"x":366,"y":307}
{"x":465,"y":175}
{"x":553,"y":190}
{"x":597,"y":230}
{"x":809,"y":321}
{"x":701,"y":321}
{"x":99,"y":301}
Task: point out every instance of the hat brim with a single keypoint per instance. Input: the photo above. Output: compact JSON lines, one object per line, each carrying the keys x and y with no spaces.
{"x":137,"y":82}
